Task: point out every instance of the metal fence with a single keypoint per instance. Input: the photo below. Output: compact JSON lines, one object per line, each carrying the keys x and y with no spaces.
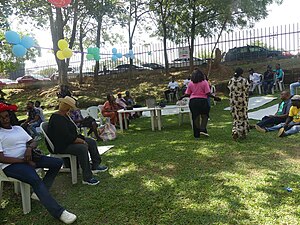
{"x":285,"y":38}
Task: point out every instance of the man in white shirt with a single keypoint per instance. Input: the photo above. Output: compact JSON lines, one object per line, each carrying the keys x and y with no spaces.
{"x":173,"y":88}
{"x":185,"y":84}
{"x":254,"y":79}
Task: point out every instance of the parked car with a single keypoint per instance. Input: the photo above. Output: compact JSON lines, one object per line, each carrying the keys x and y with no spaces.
{"x":250,"y":52}
{"x":71,"y":74}
{"x":41,"y":78}
{"x":5,"y":81}
{"x":125,"y":67}
{"x":26,"y":79}
{"x":154,"y":66}
{"x":185,"y":62}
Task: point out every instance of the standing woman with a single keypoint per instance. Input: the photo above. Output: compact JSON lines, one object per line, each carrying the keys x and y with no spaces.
{"x":16,"y":161}
{"x":198,"y":90}
{"x":238,"y":96}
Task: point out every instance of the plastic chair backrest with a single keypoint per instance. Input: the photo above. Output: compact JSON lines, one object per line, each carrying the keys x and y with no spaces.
{"x":44,"y":129}
{"x":84,"y":113}
{"x":93,"y":111}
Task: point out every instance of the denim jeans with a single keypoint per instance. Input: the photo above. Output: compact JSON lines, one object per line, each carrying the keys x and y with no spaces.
{"x":270,"y":121}
{"x":268,"y":85}
{"x":82,"y":152}
{"x":32,"y":128}
{"x":26,"y":173}
{"x":293,"y":130}
{"x":293,"y":87}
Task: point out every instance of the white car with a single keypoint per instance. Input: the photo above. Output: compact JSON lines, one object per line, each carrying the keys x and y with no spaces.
{"x":185,"y":62}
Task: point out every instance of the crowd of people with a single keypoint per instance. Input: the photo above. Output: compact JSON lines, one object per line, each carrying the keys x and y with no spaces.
{"x":18,"y":139}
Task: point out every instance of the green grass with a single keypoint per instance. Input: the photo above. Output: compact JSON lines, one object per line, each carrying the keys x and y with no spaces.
{"x":166,"y":177}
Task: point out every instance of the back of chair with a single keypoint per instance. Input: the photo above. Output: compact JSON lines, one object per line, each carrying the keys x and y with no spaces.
{"x":44,"y":129}
{"x":93,"y":111}
{"x":282,"y":79}
{"x":84,"y":113}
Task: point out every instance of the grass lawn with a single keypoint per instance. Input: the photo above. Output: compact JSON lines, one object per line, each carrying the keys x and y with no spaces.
{"x":166,"y":177}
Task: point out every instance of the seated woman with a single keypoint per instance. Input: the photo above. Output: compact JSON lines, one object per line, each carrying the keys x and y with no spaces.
{"x":16,"y":162}
{"x":63,"y":134}
{"x":88,"y":122}
{"x":110,"y":109}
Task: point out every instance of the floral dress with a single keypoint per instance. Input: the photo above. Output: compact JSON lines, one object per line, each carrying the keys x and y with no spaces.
{"x":238,"y":96}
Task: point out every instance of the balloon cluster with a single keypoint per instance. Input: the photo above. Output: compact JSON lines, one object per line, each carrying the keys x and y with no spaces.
{"x":115,"y":55}
{"x":65,"y":51}
{"x":60,"y":3}
{"x":130,"y":55}
{"x":93,"y":54}
{"x":20,"y":46}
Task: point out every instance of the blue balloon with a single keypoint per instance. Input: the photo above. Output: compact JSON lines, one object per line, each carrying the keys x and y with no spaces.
{"x":12,"y":37}
{"x":114,"y":51}
{"x":19,"y":50}
{"x":27,"y":42}
{"x":119,"y":55}
{"x":114,"y":58}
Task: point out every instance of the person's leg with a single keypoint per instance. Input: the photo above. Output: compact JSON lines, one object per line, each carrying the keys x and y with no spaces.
{"x":276,"y":127}
{"x":269,"y":121}
{"x":53,"y":164}
{"x":265,"y":85}
{"x":293,"y":87}
{"x":195,"y":116}
{"x":81,"y":151}
{"x":26,"y":173}
{"x":203,"y":124}
{"x":93,"y":150}
{"x":32,"y":127}
{"x":295,"y":129}
{"x":270,"y":86}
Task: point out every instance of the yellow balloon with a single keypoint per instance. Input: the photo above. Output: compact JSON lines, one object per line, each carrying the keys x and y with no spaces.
{"x":67,"y":53}
{"x":62,"y":44}
{"x":60,"y":55}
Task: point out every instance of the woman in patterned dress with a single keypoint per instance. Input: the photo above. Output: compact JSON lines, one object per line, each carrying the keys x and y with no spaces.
{"x":238,"y":95}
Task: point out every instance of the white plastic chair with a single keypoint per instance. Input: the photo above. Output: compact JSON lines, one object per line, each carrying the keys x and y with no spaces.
{"x":181,"y":113}
{"x":280,"y":84}
{"x":84,"y":114}
{"x":93,"y":111}
{"x":73,"y":159}
{"x":100,"y":112}
{"x":24,"y":187}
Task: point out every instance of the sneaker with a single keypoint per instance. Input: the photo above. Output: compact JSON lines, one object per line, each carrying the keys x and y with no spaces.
{"x":92,"y":181}
{"x":260,"y":129}
{"x":100,"y":169}
{"x":67,"y":217}
{"x":205,"y":134}
{"x":281,"y":133}
{"x":34,"y":196}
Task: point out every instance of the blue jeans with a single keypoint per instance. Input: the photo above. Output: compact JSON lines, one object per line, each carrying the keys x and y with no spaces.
{"x":270,"y":121}
{"x":32,"y":128}
{"x":293,"y":87}
{"x":26,"y":173}
{"x":293,"y":130}
{"x":268,"y":85}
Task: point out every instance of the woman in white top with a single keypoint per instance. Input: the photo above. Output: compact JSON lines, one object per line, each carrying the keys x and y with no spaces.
{"x":16,"y":161}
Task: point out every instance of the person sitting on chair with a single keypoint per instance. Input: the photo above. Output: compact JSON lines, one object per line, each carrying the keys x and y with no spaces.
{"x":172,"y":88}
{"x":121,"y":101}
{"x":88,"y":122}
{"x":268,"y":80}
{"x":254,"y":80}
{"x":280,"y":116}
{"x":278,"y":72}
{"x":185,"y":84}
{"x":294,"y":85}
{"x":63,"y":134}
{"x":33,"y":120}
{"x":16,"y":161}
{"x":110,"y":109}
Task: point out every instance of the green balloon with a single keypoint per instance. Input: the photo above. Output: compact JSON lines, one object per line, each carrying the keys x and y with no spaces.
{"x":90,"y":56}
{"x":90,"y":50}
{"x":97,"y":57}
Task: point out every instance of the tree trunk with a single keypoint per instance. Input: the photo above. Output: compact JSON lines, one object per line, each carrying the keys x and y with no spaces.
{"x":165,"y":49}
{"x":99,"y":27}
{"x":81,"y":35}
{"x":191,"y":38}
